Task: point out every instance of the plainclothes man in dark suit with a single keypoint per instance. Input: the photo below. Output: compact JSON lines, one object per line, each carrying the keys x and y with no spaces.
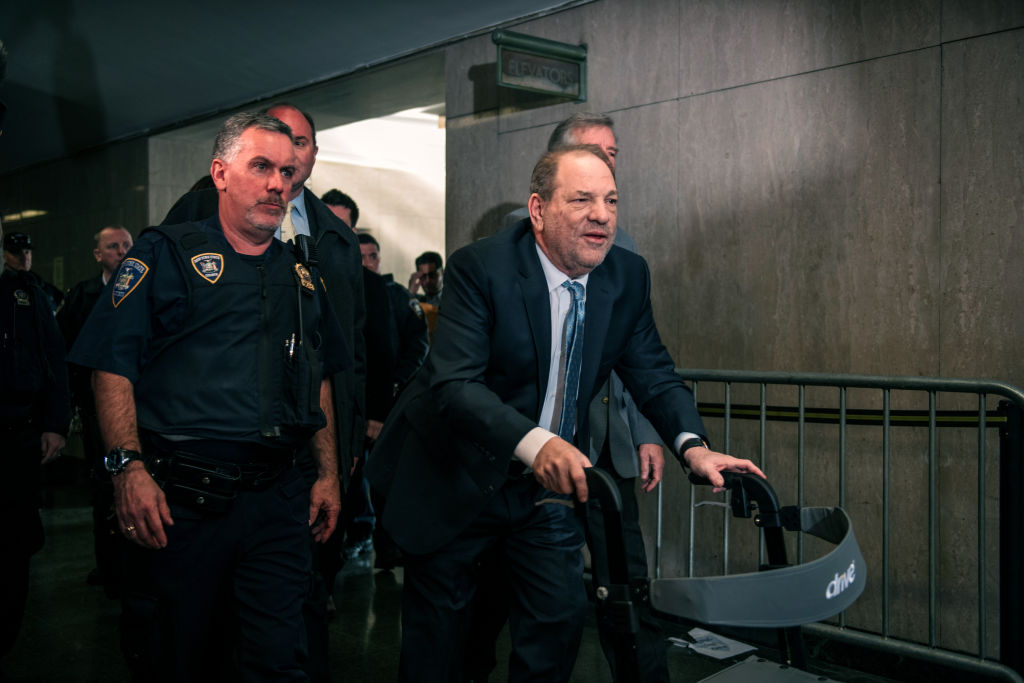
{"x":494,"y":399}
{"x":112,"y":244}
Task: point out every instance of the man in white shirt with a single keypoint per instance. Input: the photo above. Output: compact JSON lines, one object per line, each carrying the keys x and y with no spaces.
{"x":471,"y":458}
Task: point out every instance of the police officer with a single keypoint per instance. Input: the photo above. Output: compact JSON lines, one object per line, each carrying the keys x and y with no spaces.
{"x":18,"y":256}
{"x":34,"y":417}
{"x":215,"y":339}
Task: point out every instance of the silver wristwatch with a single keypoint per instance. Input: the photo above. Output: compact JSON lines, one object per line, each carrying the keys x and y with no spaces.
{"x":117,"y":460}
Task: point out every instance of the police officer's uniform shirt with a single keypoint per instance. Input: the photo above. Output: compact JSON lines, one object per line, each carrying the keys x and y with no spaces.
{"x":146,"y":302}
{"x":33,"y":376}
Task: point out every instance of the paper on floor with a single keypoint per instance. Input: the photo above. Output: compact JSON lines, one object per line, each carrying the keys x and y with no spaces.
{"x":712,"y":644}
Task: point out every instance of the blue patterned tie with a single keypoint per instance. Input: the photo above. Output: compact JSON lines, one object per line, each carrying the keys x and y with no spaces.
{"x":572,"y":356}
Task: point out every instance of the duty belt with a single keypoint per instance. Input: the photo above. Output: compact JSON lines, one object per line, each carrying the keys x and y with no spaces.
{"x":210,"y":485}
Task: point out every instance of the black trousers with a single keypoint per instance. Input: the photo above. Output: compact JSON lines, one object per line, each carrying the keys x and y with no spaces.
{"x":243,"y":573}
{"x":107,"y":540}
{"x":20,"y":525}
{"x":650,"y":641}
{"x":535,"y":538}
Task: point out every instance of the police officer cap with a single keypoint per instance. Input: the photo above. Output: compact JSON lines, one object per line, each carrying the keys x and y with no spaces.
{"x":16,"y":241}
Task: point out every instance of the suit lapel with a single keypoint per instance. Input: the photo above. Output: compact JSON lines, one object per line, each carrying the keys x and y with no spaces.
{"x":311,"y":219}
{"x":533,"y":289}
{"x":595,"y":329}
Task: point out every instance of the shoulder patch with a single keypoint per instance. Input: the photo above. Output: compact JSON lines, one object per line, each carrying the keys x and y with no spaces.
{"x":128,"y":277}
{"x":209,"y":266}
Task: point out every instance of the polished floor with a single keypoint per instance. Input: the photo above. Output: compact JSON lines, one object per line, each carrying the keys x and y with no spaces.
{"x":70,"y":629}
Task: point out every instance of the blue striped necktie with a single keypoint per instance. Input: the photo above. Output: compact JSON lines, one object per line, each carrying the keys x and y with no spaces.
{"x":572,"y":357}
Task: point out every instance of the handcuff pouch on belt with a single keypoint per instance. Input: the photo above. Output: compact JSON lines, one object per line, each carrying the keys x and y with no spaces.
{"x":209,"y":486}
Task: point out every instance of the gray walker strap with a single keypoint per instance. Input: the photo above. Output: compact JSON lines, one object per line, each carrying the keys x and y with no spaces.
{"x":778,"y":598}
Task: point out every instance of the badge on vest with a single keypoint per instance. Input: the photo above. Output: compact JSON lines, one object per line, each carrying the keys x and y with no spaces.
{"x":209,"y":266}
{"x":304,"y":278}
{"x":21,"y":298}
{"x":129,"y":275}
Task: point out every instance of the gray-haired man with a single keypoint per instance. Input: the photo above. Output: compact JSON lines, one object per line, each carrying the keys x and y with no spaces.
{"x":623,"y":442}
{"x":210,"y":372}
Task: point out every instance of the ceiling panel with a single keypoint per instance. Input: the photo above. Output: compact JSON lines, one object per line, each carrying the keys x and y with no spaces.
{"x":85,"y":72}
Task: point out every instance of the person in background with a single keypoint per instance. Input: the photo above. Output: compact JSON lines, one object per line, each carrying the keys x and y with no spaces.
{"x":112,"y":244}
{"x":412,"y":342}
{"x":411,"y":339}
{"x":18,"y":256}
{"x":342,"y":206}
{"x":429,"y":277}
{"x":35,"y":413}
{"x":355,"y":532}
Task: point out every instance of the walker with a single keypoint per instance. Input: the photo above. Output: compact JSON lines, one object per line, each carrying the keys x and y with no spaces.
{"x":781,"y":596}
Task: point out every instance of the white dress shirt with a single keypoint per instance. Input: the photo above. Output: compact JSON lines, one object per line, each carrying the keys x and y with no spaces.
{"x":561,"y":300}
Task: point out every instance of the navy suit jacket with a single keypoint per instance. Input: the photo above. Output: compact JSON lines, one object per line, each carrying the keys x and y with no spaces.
{"x":342,"y":268}
{"x":447,"y":445}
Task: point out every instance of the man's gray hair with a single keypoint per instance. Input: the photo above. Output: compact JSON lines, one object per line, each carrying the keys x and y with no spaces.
{"x":542,"y":182}
{"x":565,"y":133}
{"x":225,"y":147}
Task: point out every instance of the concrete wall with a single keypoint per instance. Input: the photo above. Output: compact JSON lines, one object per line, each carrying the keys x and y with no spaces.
{"x":175,"y":163}
{"x":818,"y":186}
{"x":825,"y":186}
{"x":80,"y":195}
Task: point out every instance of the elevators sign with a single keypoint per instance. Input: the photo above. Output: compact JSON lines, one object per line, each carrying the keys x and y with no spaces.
{"x":540,"y":65}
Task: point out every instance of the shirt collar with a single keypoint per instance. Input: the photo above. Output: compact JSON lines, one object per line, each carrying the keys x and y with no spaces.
{"x":553,"y":275}
{"x":300,"y":204}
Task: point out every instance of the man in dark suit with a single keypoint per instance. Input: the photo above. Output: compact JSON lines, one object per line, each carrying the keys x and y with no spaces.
{"x":470,"y":459}
{"x":112,"y":244}
{"x":623,"y":442}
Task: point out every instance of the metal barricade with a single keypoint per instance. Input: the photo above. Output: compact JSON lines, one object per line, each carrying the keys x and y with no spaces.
{"x":979,"y":603}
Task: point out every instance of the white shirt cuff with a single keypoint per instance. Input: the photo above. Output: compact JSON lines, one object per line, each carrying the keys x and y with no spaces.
{"x":529,"y":446}
{"x":683,"y":436}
